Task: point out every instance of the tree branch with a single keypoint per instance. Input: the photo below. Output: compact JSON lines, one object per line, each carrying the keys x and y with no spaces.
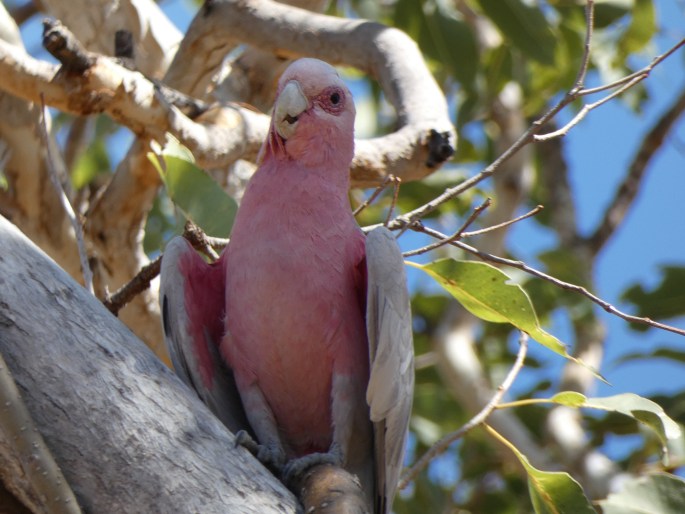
{"x":129,"y":436}
{"x":95,"y":23}
{"x":425,"y":138}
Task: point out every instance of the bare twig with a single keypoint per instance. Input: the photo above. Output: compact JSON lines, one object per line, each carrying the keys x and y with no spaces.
{"x":200,"y":241}
{"x":585,"y":110}
{"x":620,"y":86}
{"x":376,"y":192}
{"x":644,"y":72}
{"x":589,"y":31}
{"x":137,"y":285}
{"x":504,"y":224}
{"x":418,"y":227}
{"x":532,"y":134}
{"x":479,"y":418}
{"x":76,"y":224}
{"x":457,"y":235}
{"x":396,"y":182}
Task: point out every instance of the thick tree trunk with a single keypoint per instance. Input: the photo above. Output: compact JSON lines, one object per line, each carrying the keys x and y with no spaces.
{"x":128,"y":435}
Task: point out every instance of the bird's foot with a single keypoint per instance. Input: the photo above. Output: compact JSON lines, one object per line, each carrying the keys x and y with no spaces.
{"x":271,"y":455}
{"x":295,"y":468}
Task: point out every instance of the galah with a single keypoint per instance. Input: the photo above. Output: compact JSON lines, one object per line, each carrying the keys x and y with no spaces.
{"x":306,"y":316}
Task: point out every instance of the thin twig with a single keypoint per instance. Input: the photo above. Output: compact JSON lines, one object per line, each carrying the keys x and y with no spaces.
{"x":457,"y":235}
{"x":200,"y":241}
{"x":396,"y":183}
{"x":589,"y":31}
{"x":401,"y":222}
{"x":66,"y":204}
{"x":504,"y":224}
{"x":644,"y":72}
{"x":530,"y":135}
{"x":418,"y":227}
{"x":620,"y":86}
{"x":442,"y":445}
{"x":374,"y":195}
{"x":134,"y":287}
{"x":586,"y":109}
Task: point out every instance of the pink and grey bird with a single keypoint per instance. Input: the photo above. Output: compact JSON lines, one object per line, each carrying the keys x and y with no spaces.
{"x":303,"y":315}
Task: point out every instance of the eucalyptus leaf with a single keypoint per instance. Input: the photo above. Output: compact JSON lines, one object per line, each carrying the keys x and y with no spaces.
{"x":193,"y":191}
{"x":525,"y":26}
{"x":552,"y":492}
{"x":641,"y":409}
{"x":488,"y":293}
{"x":660,"y":493}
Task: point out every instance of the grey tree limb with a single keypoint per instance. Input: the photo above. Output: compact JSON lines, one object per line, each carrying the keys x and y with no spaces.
{"x":128,"y":434}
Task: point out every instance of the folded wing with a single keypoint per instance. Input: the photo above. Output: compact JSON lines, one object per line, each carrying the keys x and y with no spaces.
{"x":391,"y":353}
{"x":192,"y":300}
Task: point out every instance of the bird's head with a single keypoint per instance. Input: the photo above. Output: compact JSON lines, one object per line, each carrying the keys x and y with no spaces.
{"x":313,"y":116}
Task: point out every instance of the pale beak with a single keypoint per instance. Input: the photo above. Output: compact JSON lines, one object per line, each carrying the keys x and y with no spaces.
{"x":289,"y":105}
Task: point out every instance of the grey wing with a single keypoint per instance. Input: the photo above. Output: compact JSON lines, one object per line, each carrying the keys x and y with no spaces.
{"x":192,"y":300}
{"x":391,"y":352}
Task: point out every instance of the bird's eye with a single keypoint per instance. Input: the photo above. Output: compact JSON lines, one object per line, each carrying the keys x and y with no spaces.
{"x":335,"y":98}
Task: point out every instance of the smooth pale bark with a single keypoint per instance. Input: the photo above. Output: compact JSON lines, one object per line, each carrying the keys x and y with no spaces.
{"x":128,"y":435}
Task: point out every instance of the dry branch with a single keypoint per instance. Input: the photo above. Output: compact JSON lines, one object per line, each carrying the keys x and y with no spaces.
{"x":425,"y":138}
{"x":128,"y":434}
{"x":96,"y":22}
{"x":91,"y":84}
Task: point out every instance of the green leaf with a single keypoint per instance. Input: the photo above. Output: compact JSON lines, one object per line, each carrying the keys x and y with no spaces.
{"x":641,"y":29}
{"x":552,"y":492}
{"x":660,"y":493}
{"x":487,"y":292}
{"x":667,"y":300}
{"x":193,"y":191}
{"x":90,"y":164}
{"x":448,"y":32}
{"x":524,"y":25}
{"x":610,"y":11}
{"x":641,"y":409}
{"x":569,"y":398}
